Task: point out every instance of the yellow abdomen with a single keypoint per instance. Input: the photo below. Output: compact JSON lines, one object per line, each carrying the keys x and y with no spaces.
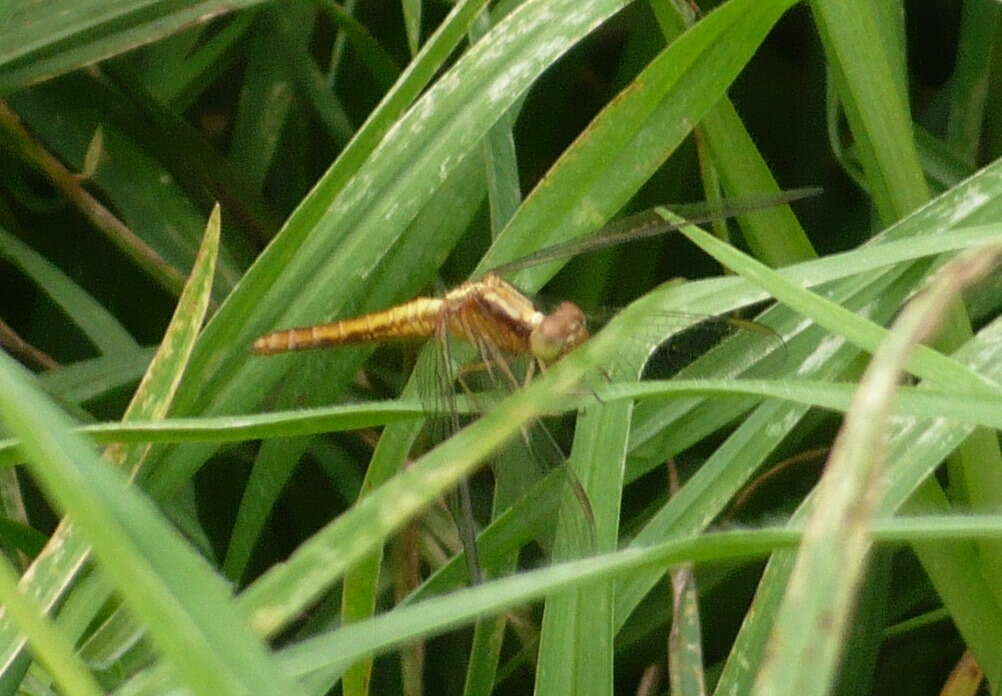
{"x":416,"y":319}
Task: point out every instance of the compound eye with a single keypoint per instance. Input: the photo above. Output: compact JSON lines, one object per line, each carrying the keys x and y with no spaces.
{"x":558,"y":332}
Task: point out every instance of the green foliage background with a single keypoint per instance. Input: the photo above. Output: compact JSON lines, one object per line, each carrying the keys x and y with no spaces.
{"x":365,"y":153}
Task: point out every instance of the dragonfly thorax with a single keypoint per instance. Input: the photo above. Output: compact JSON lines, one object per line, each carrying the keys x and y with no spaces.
{"x":558,"y":333}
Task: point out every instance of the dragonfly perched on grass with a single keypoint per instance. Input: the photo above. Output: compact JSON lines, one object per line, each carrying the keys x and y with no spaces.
{"x":498,"y":320}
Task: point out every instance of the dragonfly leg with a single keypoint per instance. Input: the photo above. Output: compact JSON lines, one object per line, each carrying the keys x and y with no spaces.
{"x":488,"y":366}
{"x":530,"y":371}
{"x":470,"y":393}
{"x":473,"y":368}
{"x":495,"y":359}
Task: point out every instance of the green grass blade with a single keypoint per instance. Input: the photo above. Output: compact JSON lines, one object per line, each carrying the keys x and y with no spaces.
{"x":978,"y":455}
{"x":103,"y":330}
{"x":53,"y":649}
{"x":633,"y":136}
{"x":171,"y":223}
{"x":181,"y":83}
{"x":971,"y":602}
{"x":774,"y":235}
{"x":863,"y":61}
{"x":87,"y":379}
{"x":721,"y":476}
{"x":685,"y":642}
{"x":925,"y":363}
{"x":340,"y":647}
{"x":980,"y":409}
{"x":811,"y":624}
{"x":263,"y":109}
{"x":979,"y":38}
{"x":742,"y":667}
{"x":184,"y":605}
{"x":66,"y":552}
{"x":381,"y":64}
{"x":312,"y":82}
{"x":40,"y":42}
{"x":412,"y":23}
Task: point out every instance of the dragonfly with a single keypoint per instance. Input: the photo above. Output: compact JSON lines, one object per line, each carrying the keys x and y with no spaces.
{"x":497,"y":319}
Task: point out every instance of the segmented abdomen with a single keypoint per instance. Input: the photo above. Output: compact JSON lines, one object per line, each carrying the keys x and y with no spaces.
{"x":414,"y":320}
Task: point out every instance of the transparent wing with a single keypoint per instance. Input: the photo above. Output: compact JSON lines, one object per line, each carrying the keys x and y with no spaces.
{"x":652,"y":223}
{"x":704,"y":338}
{"x":673,"y":340}
{"x":483,"y":375}
{"x":437,"y":390}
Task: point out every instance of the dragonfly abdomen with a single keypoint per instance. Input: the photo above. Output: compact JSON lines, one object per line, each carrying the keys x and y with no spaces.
{"x":416,"y":319}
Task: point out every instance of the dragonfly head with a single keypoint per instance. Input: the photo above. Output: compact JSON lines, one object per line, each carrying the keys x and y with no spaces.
{"x":558,"y":333}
